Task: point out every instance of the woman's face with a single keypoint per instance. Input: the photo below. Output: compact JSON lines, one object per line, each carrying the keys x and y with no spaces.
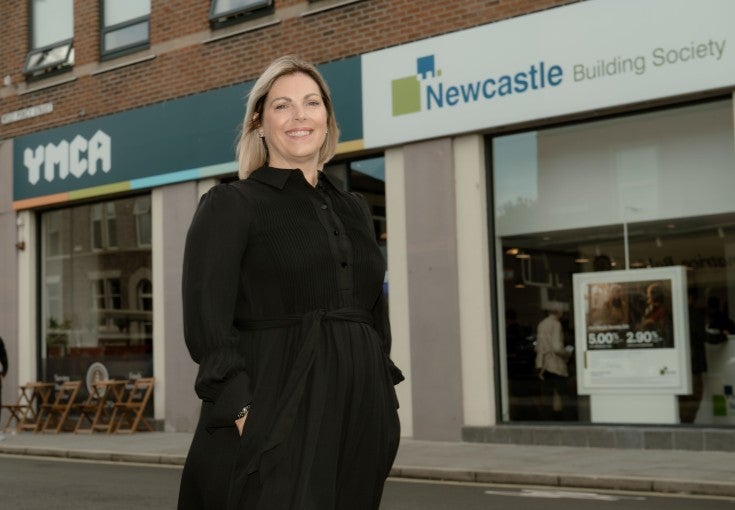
{"x":294,"y":122}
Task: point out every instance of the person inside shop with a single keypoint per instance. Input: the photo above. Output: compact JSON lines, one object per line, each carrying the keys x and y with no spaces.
{"x":719,"y":325}
{"x":285,"y":316}
{"x":602,"y":262}
{"x":689,"y":404}
{"x":552,"y":357}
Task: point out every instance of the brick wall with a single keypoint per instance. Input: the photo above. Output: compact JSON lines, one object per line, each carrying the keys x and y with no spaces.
{"x":185,"y":64}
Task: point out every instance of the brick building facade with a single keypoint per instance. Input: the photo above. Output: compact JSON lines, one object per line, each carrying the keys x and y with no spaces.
{"x":187,"y":55}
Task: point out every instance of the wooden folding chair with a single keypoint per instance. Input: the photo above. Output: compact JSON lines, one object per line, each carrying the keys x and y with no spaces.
{"x":90,"y":410}
{"x":128,"y":414}
{"x":19,"y":411}
{"x":27,"y":409}
{"x":53,"y":416}
{"x":96,"y":411}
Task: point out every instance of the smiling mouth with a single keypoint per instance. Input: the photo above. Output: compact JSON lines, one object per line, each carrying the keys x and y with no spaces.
{"x":299,"y":133}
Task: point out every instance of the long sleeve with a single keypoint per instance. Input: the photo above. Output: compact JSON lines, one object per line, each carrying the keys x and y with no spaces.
{"x":215,"y":245}
{"x":3,"y":358}
{"x":557,"y":339}
{"x":382,"y":325}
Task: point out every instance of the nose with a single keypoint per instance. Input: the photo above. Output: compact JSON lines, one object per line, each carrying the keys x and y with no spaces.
{"x":300,"y":112}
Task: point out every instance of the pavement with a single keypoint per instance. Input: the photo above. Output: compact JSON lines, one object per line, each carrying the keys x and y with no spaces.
{"x":666,"y":471}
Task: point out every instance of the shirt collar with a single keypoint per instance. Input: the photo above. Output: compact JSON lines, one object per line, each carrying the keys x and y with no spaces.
{"x":275,"y":177}
{"x":278,"y":177}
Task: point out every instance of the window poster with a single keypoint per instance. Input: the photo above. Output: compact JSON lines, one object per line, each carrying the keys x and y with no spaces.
{"x":630,"y":331}
{"x":629,"y":315}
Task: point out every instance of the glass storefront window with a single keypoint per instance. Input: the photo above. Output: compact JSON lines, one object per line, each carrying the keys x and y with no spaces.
{"x":640,"y":191}
{"x":97,"y":298}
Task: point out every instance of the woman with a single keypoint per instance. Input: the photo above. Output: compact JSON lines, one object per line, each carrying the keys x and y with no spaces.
{"x":284,"y":313}
{"x":551,"y":361}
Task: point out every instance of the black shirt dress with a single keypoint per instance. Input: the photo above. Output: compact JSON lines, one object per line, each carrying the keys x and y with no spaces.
{"x":284,"y":310}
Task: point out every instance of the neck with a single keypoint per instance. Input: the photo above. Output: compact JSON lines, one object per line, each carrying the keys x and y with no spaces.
{"x":311,"y":175}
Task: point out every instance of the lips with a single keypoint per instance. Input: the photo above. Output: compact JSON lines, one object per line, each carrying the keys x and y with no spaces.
{"x":299,"y":133}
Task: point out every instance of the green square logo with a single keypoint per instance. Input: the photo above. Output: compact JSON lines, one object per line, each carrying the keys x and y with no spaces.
{"x":406,"y":95}
{"x":719,"y":405}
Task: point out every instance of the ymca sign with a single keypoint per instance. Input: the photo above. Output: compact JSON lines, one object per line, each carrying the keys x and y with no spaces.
{"x":78,"y":157}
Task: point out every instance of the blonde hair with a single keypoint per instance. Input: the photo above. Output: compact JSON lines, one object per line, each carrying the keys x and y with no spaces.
{"x":252,"y":152}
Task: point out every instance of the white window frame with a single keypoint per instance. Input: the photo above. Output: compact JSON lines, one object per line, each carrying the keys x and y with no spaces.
{"x":52,"y":58}
{"x":220,"y":16}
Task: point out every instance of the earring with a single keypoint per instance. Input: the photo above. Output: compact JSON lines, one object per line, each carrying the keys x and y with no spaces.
{"x":260,"y":134}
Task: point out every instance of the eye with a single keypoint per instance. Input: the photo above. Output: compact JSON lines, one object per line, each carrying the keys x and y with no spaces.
{"x":314,"y":103}
{"x":281,"y":106}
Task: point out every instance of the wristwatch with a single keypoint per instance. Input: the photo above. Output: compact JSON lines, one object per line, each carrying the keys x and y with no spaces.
{"x":243,"y":412}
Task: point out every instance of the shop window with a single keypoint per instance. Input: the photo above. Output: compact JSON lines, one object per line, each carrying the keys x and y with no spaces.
{"x":96,"y":302}
{"x":142,"y":213}
{"x":643,"y":191}
{"x":227,"y":12}
{"x":52,"y":31}
{"x":125,"y":27}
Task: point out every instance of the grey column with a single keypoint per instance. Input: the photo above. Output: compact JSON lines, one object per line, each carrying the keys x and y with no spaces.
{"x":433,"y":290}
{"x":182,"y":405}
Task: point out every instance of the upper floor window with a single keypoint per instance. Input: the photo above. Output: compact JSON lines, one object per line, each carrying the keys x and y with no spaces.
{"x":125,"y":27}
{"x":227,"y":12}
{"x":145,"y":295}
{"x":53,"y":234}
{"x":52,"y":30}
{"x":104,"y":226}
{"x":142,"y":213}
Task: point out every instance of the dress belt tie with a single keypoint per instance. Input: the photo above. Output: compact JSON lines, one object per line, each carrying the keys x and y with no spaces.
{"x":293,"y":391}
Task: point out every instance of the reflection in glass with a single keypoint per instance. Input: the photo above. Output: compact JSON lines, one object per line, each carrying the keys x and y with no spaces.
{"x":228,"y":7}
{"x":129,"y":35}
{"x":98,"y":296}
{"x":53,"y":21}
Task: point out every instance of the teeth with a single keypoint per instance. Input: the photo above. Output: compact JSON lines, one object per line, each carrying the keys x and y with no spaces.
{"x":298,"y":133}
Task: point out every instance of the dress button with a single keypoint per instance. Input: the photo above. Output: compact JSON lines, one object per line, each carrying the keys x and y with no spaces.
{"x":344,"y":264}
{"x":324,"y":206}
{"x":336,"y":232}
